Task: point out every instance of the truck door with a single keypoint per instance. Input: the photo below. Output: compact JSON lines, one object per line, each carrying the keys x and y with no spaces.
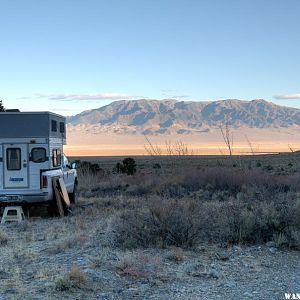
{"x":15,"y":166}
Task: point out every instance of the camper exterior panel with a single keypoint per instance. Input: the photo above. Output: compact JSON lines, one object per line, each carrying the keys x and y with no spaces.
{"x":19,"y":125}
{"x":29,"y":140}
{"x":56,"y":149}
{"x":38,"y":160}
{"x":15,"y":166}
{"x":31,"y":124}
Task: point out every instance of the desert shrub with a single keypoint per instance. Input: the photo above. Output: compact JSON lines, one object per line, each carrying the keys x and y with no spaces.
{"x":233,"y":180}
{"x":186,"y":222}
{"x":181,"y":184}
{"x":156,"y":166}
{"x":268,"y":168}
{"x":75,"y":279}
{"x":86,"y":166}
{"x":293,"y":231}
{"x":164,"y":222}
{"x":128,"y":166}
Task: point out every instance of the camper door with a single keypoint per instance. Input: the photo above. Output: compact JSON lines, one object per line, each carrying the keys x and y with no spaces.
{"x":15,"y":166}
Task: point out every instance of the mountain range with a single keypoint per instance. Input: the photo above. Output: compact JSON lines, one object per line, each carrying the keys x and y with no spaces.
{"x":158,"y":117}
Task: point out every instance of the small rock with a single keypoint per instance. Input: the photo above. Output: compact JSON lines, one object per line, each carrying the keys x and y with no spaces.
{"x":237,"y":249}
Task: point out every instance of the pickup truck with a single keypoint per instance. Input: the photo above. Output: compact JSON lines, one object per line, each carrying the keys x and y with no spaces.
{"x":43,"y":192}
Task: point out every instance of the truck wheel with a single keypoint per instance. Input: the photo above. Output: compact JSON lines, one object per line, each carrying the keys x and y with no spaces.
{"x":73,"y":196}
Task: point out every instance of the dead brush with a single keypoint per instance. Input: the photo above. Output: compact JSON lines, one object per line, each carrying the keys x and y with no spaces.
{"x":75,"y":279}
{"x":139,"y":265}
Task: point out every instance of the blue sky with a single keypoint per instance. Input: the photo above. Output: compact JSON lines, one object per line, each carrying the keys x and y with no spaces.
{"x":71,"y":55}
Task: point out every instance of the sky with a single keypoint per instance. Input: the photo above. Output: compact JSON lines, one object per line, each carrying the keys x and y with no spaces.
{"x":72,"y":55}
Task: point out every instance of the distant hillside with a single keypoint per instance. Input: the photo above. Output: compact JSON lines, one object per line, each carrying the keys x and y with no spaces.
{"x":171,"y":116}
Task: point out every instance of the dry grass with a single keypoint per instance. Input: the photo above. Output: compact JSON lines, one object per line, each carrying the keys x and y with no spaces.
{"x":139,"y":265}
{"x":75,"y":279}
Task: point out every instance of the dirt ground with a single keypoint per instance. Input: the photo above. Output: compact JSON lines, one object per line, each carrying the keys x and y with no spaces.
{"x":70,"y":258}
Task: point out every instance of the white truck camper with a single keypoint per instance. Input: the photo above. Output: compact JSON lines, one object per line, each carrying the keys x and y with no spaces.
{"x":31,"y":154}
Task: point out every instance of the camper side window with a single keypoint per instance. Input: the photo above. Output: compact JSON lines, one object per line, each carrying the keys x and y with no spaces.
{"x":53,"y":126}
{"x":56,"y":157}
{"x":38,"y":155}
{"x":13,"y":159}
{"x":62,"y":127}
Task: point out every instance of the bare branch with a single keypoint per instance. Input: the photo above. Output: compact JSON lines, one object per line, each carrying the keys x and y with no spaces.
{"x":227,"y":135}
{"x":152,"y":150}
{"x":291,"y":148}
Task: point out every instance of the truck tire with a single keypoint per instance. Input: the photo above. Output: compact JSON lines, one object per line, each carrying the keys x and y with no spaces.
{"x":73,"y":196}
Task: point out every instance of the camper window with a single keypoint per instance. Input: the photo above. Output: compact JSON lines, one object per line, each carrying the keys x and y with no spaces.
{"x":38,"y":155}
{"x":61,"y":127}
{"x":53,"y":125}
{"x":56,"y":157}
{"x":13,"y":157}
